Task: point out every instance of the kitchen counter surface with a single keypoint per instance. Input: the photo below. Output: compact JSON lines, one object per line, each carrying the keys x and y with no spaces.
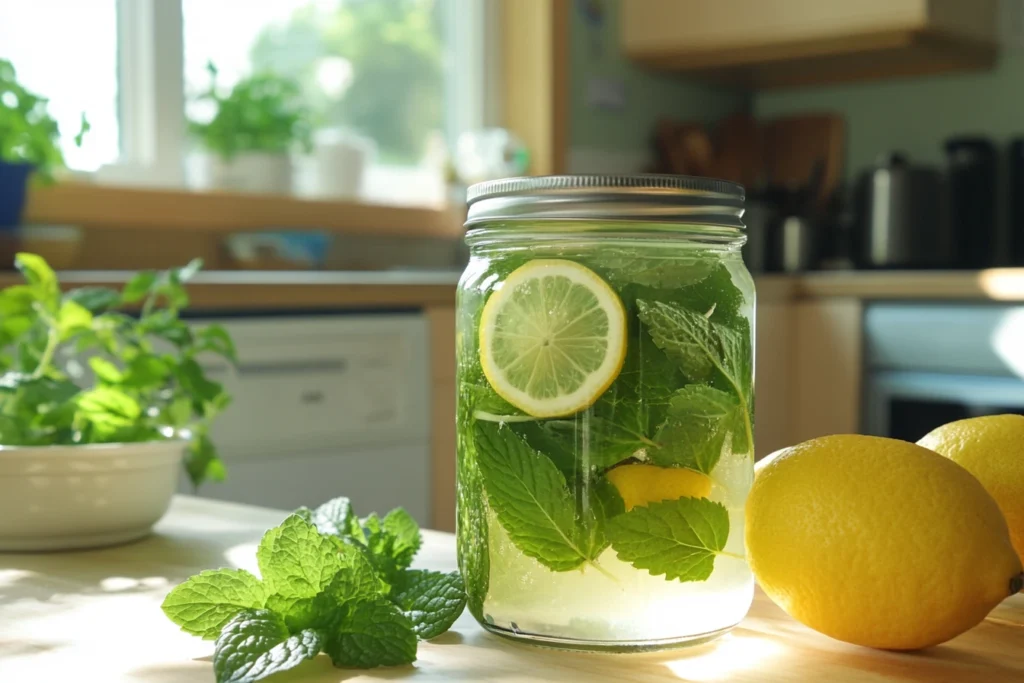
{"x":994,"y":284}
{"x":94,"y":616}
{"x":284,"y":290}
{"x":334,"y":289}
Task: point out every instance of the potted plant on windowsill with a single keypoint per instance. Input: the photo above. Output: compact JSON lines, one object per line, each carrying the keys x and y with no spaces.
{"x":252,"y":132}
{"x":98,"y":408}
{"x":28,"y":143}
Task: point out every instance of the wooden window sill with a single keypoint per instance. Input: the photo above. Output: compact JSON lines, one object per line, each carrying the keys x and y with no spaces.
{"x":106,"y":206}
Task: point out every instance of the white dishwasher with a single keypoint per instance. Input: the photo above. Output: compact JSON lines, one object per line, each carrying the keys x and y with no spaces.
{"x":326,"y":406}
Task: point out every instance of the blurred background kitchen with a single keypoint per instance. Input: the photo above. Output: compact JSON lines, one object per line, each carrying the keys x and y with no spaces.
{"x":315,"y":154}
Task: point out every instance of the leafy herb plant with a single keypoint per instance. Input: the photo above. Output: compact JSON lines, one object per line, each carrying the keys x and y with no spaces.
{"x":682,"y":399}
{"x":261,"y":113}
{"x":146,"y":383}
{"x":330,"y":583}
{"x":28,"y":134}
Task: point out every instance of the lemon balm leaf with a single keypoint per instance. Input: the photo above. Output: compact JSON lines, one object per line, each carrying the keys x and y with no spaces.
{"x":256,"y":644}
{"x":530,"y":497}
{"x":205,"y":603}
{"x":679,"y":539}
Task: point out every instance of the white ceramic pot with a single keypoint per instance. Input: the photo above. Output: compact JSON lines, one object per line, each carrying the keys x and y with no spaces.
{"x":341,"y":160}
{"x":261,"y":172}
{"x":65,"y":497}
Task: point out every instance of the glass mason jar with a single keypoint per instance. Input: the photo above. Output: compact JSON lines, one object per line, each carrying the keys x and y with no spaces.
{"x":605,"y":410}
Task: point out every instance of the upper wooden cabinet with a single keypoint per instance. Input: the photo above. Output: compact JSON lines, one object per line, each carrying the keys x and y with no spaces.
{"x":767,"y":43}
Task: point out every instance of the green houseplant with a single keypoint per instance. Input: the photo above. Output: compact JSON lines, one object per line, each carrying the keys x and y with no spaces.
{"x":28,"y":142}
{"x":253,"y":129}
{"x":144,"y":387}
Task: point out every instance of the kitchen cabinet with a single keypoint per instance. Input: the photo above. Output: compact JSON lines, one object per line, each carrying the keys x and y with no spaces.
{"x":766,"y":43}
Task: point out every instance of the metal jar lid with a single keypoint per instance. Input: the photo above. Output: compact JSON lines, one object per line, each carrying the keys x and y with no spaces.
{"x":648,"y":198}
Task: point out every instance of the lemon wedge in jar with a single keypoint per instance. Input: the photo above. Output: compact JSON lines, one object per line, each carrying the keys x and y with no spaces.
{"x":552,"y":337}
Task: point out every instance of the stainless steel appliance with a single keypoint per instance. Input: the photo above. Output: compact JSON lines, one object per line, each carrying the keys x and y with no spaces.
{"x":899,"y":217}
{"x":928,"y":364}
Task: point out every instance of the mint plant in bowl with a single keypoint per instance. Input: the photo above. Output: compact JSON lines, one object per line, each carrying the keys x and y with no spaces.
{"x":99,"y":407}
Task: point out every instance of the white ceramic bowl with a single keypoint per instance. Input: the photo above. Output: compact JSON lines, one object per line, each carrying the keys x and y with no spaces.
{"x":65,"y":497}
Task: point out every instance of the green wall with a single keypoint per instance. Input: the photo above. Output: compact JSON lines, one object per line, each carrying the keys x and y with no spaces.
{"x":914,"y":114}
{"x":594,"y":52}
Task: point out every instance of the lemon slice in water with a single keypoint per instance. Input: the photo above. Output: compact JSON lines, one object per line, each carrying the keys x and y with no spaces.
{"x":552,"y":337}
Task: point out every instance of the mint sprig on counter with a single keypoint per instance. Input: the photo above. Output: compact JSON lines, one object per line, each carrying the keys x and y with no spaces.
{"x":330,"y":583}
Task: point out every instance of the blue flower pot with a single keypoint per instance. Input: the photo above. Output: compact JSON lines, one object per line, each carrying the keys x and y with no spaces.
{"x":13,"y":183}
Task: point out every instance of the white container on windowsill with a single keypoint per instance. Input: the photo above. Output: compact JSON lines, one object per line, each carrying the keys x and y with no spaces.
{"x":90,"y":496}
{"x":259,"y":172}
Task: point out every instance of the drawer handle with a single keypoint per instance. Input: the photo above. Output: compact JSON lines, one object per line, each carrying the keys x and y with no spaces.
{"x":284,"y":367}
{"x":311,"y":397}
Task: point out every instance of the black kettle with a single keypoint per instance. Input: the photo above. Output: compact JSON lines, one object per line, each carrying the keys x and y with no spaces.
{"x":900,"y":218}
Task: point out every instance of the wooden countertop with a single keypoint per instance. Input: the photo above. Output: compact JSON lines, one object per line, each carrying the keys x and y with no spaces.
{"x":994,"y":284}
{"x":282,"y":290}
{"x":250,"y":290}
{"x":95,"y":616}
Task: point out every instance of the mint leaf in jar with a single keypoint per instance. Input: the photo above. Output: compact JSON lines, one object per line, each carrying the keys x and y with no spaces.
{"x":679,"y":539}
{"x":693,"y":435}
{"x":706,"y":351}
{"x":530,"y":497}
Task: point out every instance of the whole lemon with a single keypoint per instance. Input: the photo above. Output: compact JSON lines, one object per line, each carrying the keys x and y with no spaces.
{"x":992,"y":449}
{"x":877,"y":542}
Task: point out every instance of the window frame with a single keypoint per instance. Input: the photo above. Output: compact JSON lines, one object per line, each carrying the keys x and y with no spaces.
{"x":151,"y":97}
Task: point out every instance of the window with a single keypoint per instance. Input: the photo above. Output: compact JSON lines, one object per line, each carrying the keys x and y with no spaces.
{"x":80,"y":77}
{"x":399,"y":74}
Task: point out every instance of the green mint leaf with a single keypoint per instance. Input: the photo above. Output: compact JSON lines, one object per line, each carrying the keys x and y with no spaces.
{"x":406,"y":532}
{"x":166,"y":325}
{"x":202,"y":462}
{"x":206,"y":602}
{"x":106,"y":410}
{"x":105,"y":370}
{"x":215,"y":338}
{"x":336,"y":518}
{"x":371,"y":633}
{"x":72,"y":318}
{"x":686,"y":337}
{"x":391,"y":542}
{"x":96,"y":300}
{"x":40,"y":278}
{"x":256,"y":644}
{"x":432,"y":601}
{"x":146,"y":371}
{"x":675,"y":538}
{"x":295,"y":560}
{"x":482,"y":398}
{"x":605,"y":503}
{"x":194,"y":381}
{"x":357,"y":579}
{"x":699,"y":419}
{"x":706,"y":350}
{"x":138,"y":287}
{"x":530,"y":497}
{"x":626,"y":268}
